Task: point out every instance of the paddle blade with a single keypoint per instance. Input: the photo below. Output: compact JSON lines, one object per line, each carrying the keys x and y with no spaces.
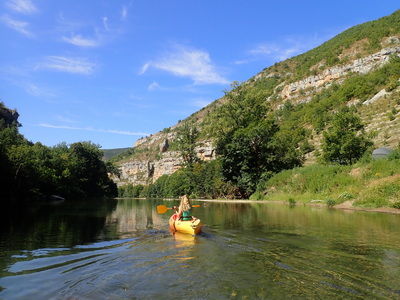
{"x":162,"y":209}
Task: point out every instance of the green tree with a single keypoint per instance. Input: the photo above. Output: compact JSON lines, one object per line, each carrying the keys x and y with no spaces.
{"x":22,"y":159}
{"x":345,"y":141}
{"x":31,"y":171}
{"x":254,"y":153}
{"x":88,"y":171}
{"x":9,"y":137}
{"x":248,"y":142}
{"x":239,"y":107}
{"x":208,"y":180}
{"x":186,"y":140}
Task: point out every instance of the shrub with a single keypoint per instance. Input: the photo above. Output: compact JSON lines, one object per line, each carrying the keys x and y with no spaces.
{"x":330,"y":202}
{"x":396,"y":205}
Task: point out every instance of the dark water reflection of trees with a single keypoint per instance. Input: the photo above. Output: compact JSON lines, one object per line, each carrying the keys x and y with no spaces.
{"x":53,"y":225}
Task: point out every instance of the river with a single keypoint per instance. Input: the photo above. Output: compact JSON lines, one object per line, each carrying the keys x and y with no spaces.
{"x":122,"y":249}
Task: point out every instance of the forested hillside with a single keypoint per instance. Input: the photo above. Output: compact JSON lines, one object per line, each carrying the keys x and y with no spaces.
{"x":332,"y":106}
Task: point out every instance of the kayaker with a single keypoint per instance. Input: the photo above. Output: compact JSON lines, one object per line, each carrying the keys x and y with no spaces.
{"x":184,"y":211}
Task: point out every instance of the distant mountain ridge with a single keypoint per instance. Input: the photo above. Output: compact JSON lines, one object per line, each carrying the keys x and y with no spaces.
{"x":110,"y":153}
{"x":306,"y":84}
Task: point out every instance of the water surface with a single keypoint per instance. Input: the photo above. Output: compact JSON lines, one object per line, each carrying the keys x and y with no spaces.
{"x":122,"y":249}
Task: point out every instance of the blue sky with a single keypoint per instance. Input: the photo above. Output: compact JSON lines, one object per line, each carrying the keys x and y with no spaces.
{"x":113,"y":71}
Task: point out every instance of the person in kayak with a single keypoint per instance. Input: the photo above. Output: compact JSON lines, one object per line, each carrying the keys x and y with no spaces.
{"x":184,"y":211}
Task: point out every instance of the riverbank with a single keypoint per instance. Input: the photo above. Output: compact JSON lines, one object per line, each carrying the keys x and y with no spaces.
{"x":369,"y":185}
{"x":347,"y":205}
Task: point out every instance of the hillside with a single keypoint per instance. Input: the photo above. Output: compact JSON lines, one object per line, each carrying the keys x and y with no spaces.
{"x":358,"y":68}
{"x":110,"y":153}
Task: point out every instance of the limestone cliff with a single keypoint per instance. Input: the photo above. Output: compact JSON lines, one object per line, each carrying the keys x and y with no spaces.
{"x":336,"y":74}
{"x":149,"y":168}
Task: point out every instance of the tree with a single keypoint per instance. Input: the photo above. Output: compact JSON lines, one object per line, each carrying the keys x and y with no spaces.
{"x":241,"y":106}
{"x":248,"y":142}
{"x":16,"y":163}
{"x":345,"y":141}
{"x":252,"y":153}
{"x":29,"y":171}
{"x":88,"y":171}
{"x":187,"y":137}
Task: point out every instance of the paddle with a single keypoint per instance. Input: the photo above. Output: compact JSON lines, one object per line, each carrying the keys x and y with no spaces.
{"x":163,"y":209}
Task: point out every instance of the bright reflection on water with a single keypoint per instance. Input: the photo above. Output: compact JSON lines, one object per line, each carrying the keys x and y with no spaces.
{"x":121,"y":249}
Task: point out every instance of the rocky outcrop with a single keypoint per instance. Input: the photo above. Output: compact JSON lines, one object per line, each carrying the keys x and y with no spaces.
{"x":205,"y":151}
{"x":361,"y":66}
{"x":135,"y":172}
{"x":9,"y":116}
{"x":169,"y":163}
{"x":148,"y":171}
{"x":379,"y":95}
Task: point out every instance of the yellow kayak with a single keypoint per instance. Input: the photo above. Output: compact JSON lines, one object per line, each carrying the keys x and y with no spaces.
{"x":192,"y":227}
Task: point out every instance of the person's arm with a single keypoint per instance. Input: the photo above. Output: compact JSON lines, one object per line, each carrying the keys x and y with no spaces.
{"x":179,"y":212}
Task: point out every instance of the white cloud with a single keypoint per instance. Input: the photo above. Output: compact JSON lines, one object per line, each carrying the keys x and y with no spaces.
{"x":200,"y":102}
{"x":18,"y":26}
{"x":93,"y":129}
{"x":64,"y":119}
{"x":153,"y":86}
{"x":276,"y":51}
{"x":65,"y":25}
{"x":265,"y":49}
{"x":124,"y":13}
{"x":284,"y":49}
{"x":188,"y":62}
{"x":105,"y":23}
{"x":78,"y":40}
{"x":39,"y":91}
{"x":144,"y":68}
{"x":102,"y":33}
{"x":22,"y":6}
{"x":68,"y":64}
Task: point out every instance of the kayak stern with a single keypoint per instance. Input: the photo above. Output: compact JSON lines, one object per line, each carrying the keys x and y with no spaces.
{"x":192,"y":227}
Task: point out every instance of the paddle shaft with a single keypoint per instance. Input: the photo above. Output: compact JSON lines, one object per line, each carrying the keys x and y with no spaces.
{"x":163,"y":209}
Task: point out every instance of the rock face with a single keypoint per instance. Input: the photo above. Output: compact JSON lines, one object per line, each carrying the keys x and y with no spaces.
{"x":361,"y":66}
{"x":135,"y":172}
{"x":9,"y":116}
{"x":168,"y":164}
{"x":145,"y":171}
{"x":206,"y":151}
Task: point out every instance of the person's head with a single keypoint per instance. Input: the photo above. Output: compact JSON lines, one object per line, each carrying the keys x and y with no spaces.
{"x":185,"y":203}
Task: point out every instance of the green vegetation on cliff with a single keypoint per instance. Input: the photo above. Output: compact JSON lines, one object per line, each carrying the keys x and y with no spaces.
{"x":353,"y":43}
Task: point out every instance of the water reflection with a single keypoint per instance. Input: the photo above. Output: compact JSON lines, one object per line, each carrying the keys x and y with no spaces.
{"x":122,"y":249}
{"x":132,"y":215}
{"x":341,"y":250}
{"x":45,"y":225}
